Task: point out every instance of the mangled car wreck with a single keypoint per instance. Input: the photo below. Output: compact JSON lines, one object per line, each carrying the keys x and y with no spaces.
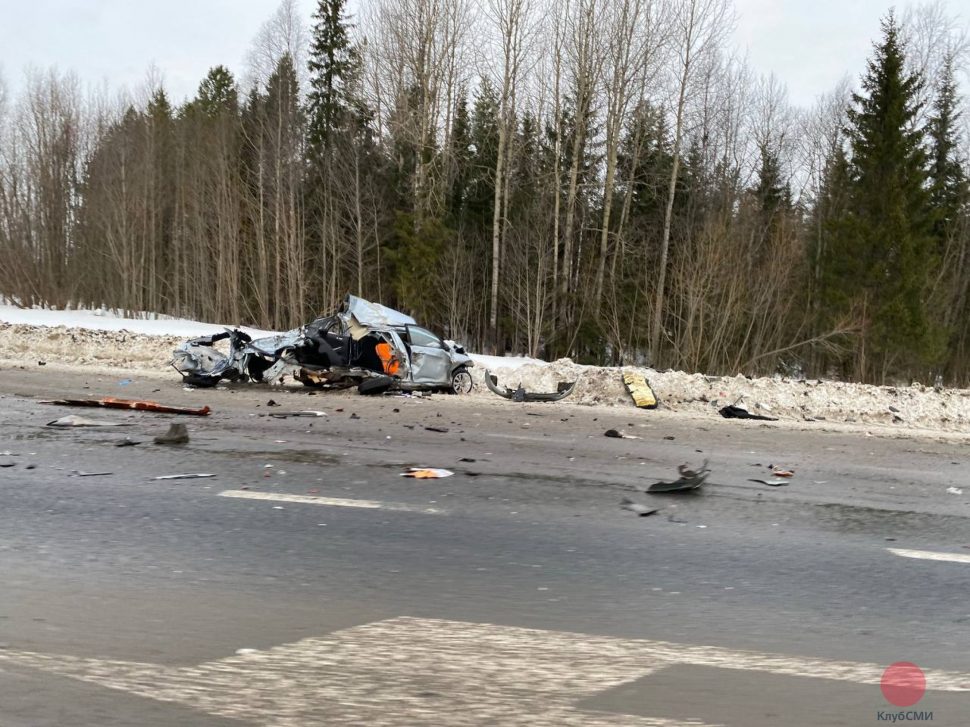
{"x":365,"y":344}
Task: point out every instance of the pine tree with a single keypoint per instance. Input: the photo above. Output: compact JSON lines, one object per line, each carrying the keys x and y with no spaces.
{"x":334,"y":65}
{"x":884,"y":246}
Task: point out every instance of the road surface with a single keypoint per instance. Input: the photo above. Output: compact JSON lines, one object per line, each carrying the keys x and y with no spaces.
{"x":308,"y":583}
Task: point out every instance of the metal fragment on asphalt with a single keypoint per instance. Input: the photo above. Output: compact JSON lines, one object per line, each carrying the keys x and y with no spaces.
{"x":189,"y":476}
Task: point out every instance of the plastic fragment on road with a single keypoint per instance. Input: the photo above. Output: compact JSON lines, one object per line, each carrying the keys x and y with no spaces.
{"x":305,"y":413}
{"x":110,"y":402}
{"x":772,"y":482}
{"x":75,"y":421}
{"x":639,"y":389}
{"x":779,"y":472}
{"x":188,"y":476}
{"x":177,"y":434}
{"x":642,"y":510}
{"x":689,"y":480}
{"x":77,"y":473}
{"x":954,"y":490}
{"x":427,"y":473}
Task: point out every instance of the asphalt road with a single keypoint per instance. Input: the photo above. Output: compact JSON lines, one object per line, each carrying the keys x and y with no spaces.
{"x":515,"y":592}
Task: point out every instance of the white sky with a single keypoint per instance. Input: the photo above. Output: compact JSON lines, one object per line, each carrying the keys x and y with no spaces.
{"x":808,"y":44}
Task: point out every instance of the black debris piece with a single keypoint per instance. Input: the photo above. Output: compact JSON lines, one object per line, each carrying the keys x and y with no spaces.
{"x":271,"y":402}
{"x":689,"y":480}
{"x":127,"y":442}
{"x":467,"y":459}
{"x":739,"y":412}
{"x":440,"y":430}
{"x":612,"y":434}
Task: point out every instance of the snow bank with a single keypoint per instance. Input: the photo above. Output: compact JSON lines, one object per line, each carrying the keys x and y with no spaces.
{"x":150,"y":324}
{"x":87,"y":338}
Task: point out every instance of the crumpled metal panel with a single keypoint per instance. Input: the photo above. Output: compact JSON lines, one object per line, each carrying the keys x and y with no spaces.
{"x":375,"y":315}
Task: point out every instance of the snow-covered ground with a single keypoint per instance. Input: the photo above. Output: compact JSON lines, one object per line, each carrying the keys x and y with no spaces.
{"x":143,"y":346}
{"x":107,"y":320}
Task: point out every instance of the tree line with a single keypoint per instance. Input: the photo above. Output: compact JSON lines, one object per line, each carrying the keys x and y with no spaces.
{"x":604,"y":179}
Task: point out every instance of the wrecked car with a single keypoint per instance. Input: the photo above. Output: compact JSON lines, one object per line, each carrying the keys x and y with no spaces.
{"x":365,"y":344}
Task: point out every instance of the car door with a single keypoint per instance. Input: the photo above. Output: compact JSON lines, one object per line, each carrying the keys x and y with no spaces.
{"x":430,"y":360}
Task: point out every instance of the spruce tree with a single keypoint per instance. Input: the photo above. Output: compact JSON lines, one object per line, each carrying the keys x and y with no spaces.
{"x":884,"y":245}
{"x":334,"y":65}
{"x":217,"y":93}
{"x":948,"y":180}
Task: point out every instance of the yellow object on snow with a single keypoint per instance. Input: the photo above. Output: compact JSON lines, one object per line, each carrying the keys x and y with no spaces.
{"x":640,"y":390}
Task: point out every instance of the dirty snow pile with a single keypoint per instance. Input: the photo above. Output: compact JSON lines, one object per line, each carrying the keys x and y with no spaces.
{"x":144,"y":346}
{"x":810,"y":400}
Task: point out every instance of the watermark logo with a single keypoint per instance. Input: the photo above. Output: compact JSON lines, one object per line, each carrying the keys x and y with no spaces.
{"x":903,"y":684}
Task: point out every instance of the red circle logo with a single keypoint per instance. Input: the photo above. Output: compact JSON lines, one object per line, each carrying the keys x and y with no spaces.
{"x":903,"y":684}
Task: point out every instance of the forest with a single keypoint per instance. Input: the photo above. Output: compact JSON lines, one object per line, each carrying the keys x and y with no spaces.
{"x":607,"y":180}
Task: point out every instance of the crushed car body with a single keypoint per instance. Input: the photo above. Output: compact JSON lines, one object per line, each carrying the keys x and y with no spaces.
{"x":364,"y":344}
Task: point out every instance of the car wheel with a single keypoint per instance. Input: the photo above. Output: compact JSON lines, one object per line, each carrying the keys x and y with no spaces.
{"x":200,"y":381}
{"x":461,"y":381}
{"x":374,"y":386}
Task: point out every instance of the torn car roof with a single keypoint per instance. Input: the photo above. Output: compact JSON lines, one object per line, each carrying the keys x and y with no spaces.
{"x":375,"y":315}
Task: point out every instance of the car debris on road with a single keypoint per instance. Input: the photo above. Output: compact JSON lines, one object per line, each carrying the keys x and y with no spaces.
{"x":642,"y":510}
{"x":177,"y":434}
{"x":639,"y":390}
{"x":617,"y":434}
{"x":519,"y":394}
{"x":364,"y":344}
{"x":189,"y":476}
{"x":732,"y":411}
{"x":110,"y":402}
{"x":427,"y":473}
{"x":75,"y":421}
{"x":689,"y":480}
{"x":311,"y":413}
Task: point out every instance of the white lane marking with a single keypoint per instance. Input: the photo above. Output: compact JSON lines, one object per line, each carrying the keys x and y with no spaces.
{"x":329,"y":501}
{"x":930,"y":555}
{"x":410,"y":671}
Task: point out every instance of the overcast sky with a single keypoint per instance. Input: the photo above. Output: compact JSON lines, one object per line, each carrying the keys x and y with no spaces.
{"x":809,"y":44}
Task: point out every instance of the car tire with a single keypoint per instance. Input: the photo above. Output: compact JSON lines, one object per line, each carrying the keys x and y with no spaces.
{"x":461,"y":381}
{"x":374,"y":386}
{"x":200,"y":381}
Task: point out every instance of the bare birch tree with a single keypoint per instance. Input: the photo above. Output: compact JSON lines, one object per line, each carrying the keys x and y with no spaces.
{"x":699,"y":27}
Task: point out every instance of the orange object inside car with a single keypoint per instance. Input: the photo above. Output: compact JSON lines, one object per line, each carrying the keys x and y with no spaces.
{"x":390,"y":362}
